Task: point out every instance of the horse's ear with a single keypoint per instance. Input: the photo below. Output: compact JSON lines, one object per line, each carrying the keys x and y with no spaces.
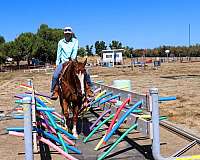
{"x":85,"y":62}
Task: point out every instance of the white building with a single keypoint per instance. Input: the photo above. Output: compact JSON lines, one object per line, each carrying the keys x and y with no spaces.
{"x":112,"y":56}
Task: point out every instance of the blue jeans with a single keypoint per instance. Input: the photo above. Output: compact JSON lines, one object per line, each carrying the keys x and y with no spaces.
{"x":88,"y":79}
{"x":56,"y":75}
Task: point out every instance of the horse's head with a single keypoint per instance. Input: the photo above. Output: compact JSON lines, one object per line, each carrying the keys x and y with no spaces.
{"x":80,"y":72}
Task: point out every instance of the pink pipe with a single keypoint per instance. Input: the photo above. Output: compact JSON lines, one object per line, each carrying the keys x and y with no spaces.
{"x":97,"y":90}
{"x":66,"y":155}
{"x":58,"y":115}
{"x":54,"y":131}
{"x":117,"y":114}
{"x":113,"y":101}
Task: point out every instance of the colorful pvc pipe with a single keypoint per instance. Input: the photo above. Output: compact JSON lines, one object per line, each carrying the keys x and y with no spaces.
{"x":171,"y":98}
{"x":54,"y":114}
{"x":99,"y":118}
{"x":28,"y":87}
{"x":17,"y":129}
{"x":45,"y":109}
{"x":117,"y":142}
{"x":137,"y":111}
{"x":117,"y":114}
{"x":112,"y":122}
{"x":53,"y":124}
{"x":100,"y":98}
{"x":18,"y":116}
{"x":96,"y":128}
{"x":100,"y":94}
{"x":57,"y":128}
{"x":108,"y":99}
{"x":66,"y":155}
{"x":51,"y":129}
{"x":51,"y":136}
{"x":97,"y":90}
{"x":121,"y":120}
{"x":39,"y":94}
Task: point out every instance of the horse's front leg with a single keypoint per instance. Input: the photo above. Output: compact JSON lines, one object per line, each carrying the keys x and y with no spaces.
{"x":65,"y":108}
{"x":75,"y":120}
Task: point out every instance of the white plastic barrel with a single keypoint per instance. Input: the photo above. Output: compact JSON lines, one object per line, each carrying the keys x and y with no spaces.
{"x":122,"y":84}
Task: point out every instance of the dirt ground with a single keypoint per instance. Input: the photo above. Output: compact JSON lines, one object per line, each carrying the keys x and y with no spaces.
{"x":172,"y":79}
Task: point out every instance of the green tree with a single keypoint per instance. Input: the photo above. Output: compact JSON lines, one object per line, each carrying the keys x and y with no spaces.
{"x":11,"y":49}
{"x":46,"y":43}
{"x":115,"y":45}
{"x":24,"y":45}
{"x":2,"y":40}
{"x":128,"y":52}
{"x":2,"y":54}
{"x":99,"y":46}
{"x":89,"y":50}
{"x":81,"y":52}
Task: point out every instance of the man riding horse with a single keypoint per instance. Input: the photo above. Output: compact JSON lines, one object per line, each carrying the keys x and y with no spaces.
{"x":67,"y":50}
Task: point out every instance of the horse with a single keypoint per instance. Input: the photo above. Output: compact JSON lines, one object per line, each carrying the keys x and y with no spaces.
{"x":72,"y":90}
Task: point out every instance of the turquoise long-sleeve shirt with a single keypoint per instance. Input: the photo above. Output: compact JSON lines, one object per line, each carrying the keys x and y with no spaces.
{"x":66,"y":49}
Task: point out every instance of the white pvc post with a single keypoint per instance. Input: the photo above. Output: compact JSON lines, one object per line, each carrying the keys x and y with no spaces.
{"x":35,"y":148}
{"x":28,"y":140}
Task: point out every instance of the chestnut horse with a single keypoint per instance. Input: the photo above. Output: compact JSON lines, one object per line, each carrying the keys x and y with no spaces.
{"x":72,"y":90}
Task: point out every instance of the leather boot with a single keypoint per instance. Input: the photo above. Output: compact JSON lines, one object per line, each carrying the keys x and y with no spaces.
{"x":54,"y":95}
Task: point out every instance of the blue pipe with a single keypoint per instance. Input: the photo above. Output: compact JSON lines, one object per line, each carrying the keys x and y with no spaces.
{"x":17,"y":129}
{"x":58,"y":141}
{"x":121,"y":120}
{"x":108,"y":99}
{"x":18,"y":116}
{"x":171,"y":98}
{"x":66,"y":133}
{"x":57,"y":128}
{"x":100,"y":98}
{"x":45,"y":109}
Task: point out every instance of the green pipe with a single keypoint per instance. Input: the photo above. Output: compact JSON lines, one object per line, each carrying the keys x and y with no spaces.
{"x":162,"y":118}
{"x":62,"y":141}
{"x":96,"y":128}
{"x":116,"y":142}
{"x":53,"y":123}
{"x":137,"y":111}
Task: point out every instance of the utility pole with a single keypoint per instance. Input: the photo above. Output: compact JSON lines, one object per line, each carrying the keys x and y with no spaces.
{"x":189,"y":44}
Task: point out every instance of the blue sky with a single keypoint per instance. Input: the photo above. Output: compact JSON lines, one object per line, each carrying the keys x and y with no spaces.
{"x":136,"y":23}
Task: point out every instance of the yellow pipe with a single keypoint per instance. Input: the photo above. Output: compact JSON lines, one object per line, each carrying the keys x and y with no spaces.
{"x":100,"y":94}
{"x":195,"y":157}
{"x":100,"y":142}
{"x":41,"y":97}
{"x":143,"y":116}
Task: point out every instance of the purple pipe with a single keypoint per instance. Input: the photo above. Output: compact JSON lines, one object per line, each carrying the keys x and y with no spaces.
{"x":99,"y":118}
{"x":21,"y":96}
{"x":97,"y":90}
{"x":39,"y":94}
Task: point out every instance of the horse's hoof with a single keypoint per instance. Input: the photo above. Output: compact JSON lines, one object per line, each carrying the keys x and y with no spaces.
{"x":75,"y":135}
